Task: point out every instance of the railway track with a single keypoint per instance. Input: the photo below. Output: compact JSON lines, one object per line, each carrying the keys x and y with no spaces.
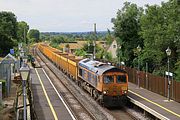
{"x":75,"y":99}
{"x":81,"y":103}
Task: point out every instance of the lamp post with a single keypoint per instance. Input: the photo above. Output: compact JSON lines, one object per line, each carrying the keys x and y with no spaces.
{"x":94,"y":50}
{"x":168,"y":52}
{"x":88,"y":46}
{"x":25,"y":60}
{"x":119,"y":55}
{"x":24,"y":70}
{"x":138,"y":50}
{"x":21,"y":56}
{"x":94,"y":42}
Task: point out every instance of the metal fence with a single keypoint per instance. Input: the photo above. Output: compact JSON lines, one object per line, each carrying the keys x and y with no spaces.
{"x":5,"y":78}
{"x":8,"y":65}
{"x":155,"y":83}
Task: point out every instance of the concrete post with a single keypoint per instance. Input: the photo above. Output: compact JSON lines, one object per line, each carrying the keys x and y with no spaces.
{"x":24,"y":98}
{"x":8,"y":79}
{"x":0,"y":92}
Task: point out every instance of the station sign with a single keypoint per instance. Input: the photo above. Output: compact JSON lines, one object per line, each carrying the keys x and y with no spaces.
{"x":169,"y":74}
{"x":11,"y":51}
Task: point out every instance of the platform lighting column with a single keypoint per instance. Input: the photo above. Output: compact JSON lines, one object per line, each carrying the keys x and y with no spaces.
{"x":168,"y":52}
{"x":119,"y":56}
{"x":138,"y":50}
{"x":88,"y":46}
{"x":21,"y":56}
{"x":94,"y":42}
{"x":24,"y":70}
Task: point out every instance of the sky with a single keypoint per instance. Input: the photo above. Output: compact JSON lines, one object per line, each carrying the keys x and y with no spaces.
{"x":68,"y":15}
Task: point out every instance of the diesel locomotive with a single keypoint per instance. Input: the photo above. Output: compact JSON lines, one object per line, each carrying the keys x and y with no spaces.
{"x":104,"y":82}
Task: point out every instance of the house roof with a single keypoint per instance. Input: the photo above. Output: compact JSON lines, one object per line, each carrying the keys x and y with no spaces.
{"x":73,"y":45}
{"x":79,"y":44}
{"x":108,"y":46}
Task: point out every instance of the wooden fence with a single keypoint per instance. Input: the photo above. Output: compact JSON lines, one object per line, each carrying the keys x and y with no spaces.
{"x":154,"y":83}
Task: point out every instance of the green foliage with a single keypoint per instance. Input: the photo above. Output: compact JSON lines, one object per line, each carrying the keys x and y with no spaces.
{"x":22,"y":31}
{"x":89,"y":47}
{"x":126,"y":28}
{"x":108,"y":38}
{"x":58,"y":39}
{"x":55,"y":45}
{"x":55,"y":41}
{"x":159,"y":29}
{"x":178,"y":71}
{"x":80,"y":52}
{"x":8,"y":24}
{"x":8,"y":32}
{"x":103,"y":54}
{"x":34,"y":35}
{"x":154,"y":30}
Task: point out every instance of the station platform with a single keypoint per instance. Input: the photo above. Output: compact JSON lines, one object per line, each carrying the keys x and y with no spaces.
{"x":47,"y":104}
{"x":154,"y":103}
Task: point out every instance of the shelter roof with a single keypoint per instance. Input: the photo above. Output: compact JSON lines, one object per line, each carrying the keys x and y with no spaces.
{"x":8,"y":59}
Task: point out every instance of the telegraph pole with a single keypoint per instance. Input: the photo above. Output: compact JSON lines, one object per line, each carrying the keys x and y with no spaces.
{"x":94,"y":42}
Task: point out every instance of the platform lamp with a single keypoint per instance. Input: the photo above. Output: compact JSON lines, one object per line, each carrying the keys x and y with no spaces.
{"x":168,"y":52}
{"x":138,"y":50}
{"x":21,"y":57}
{"x":25,"y":60}
{"x":24,"y":70}
{"x":119,"y":55}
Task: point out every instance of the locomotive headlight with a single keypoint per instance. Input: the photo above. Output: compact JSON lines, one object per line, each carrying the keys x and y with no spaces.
{"x":125,"y":91}
{"x":104,"y":92}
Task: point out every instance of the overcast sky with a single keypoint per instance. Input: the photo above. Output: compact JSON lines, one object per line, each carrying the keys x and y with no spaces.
{"x":68,"y":15}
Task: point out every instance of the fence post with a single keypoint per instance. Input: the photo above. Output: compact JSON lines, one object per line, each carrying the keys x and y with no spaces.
{"x":0,"y":92}
{"x":172,"y":87}
{"x":146,"y":75}
{"x":165,"y":86}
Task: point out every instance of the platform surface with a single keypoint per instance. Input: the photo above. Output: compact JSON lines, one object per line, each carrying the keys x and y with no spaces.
{"x":169,"y":109}
{"x":42,"y":108}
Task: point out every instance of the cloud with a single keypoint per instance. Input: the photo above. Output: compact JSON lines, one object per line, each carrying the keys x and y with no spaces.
{"x":67,"y":15}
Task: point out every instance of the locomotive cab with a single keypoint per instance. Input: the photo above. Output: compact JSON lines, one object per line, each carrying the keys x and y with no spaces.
{"x":115,"y":84}
{"x":115,"y":87}
{"x":103,"y":81}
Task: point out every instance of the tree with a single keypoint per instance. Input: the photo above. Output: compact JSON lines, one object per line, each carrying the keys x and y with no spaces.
{"x":8,"y":24}
{"x":160,"y":29}
{"x":109,"y":38}
{"x":127,"y":27}
{"x":34,"y":34}
{"x":23,"y":28}
{"x":80,"y":52}
{"x":177,"y":71}
{"x":57,"y":39}
{"x":8,"y":31}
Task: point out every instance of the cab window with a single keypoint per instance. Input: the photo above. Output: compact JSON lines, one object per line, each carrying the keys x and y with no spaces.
{"x":121,"y":79}
{"x":80,"y":71}
{"x":108,"y":79}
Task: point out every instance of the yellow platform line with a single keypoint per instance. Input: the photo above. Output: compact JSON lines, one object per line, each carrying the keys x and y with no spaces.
{"x":178,"y":115}
{"x":45,"y":93}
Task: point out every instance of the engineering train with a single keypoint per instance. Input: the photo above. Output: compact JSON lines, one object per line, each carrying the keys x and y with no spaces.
{"x":107,"y":84}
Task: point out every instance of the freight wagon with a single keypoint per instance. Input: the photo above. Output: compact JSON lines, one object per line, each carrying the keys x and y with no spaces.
{"x":105,"y":83}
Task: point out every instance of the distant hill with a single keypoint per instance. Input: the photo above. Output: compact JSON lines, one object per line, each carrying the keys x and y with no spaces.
{"x":74,"y":33}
